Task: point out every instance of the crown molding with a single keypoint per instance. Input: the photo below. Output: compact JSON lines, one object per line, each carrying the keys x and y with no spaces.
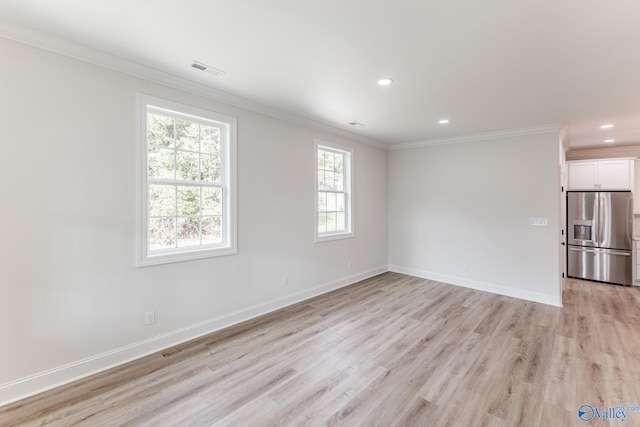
{"x":625,"y":151}
{"x":28,"y":36}
{"x":482,"y":136}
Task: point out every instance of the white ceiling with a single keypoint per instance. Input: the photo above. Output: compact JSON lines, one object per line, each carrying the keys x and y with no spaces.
{"x":486,"y":65}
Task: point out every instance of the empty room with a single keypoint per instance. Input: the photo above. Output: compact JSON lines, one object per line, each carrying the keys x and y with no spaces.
{"x":306,"y":213}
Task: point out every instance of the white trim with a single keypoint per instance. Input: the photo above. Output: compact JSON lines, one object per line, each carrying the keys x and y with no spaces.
{"x":46,"y":380}
{"x":482,"y":136}
{"x":331,"y":237}
{"x":555,"y":300}
{"x":84,"y":53}
{"x":563,"y":134}
{"x":228,"y":183}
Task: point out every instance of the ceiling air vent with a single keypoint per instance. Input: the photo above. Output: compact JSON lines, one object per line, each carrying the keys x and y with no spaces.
{"x":206,"y":68}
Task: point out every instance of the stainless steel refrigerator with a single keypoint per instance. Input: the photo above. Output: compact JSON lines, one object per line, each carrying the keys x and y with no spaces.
{"x":600,"y":236}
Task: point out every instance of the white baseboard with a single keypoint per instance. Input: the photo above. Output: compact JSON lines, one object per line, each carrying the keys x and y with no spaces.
{"x":46,"y":380}
{"x":555,"y":300}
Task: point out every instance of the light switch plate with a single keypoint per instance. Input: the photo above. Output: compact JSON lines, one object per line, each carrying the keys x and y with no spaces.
{"x":539,"y":222}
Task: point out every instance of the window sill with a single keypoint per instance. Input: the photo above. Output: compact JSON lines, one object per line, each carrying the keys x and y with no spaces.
{"x":331,"y":237}
{"x":187,"y":255}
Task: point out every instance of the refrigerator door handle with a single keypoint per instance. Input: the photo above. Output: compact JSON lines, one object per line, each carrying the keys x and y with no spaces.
{"x":604,"y":215}
{"x":596,"y":219}
{"x":630,"y":221}
{"x":599,"y":251}
{"x":620,"y":253}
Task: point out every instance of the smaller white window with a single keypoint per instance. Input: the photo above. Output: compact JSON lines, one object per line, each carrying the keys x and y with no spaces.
{"x":186,"y":183}
{"x":334,"y":192}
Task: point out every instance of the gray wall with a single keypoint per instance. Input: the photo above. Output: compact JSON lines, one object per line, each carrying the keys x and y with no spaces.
{"x":72,"y":301}
{"x":460,"y":213}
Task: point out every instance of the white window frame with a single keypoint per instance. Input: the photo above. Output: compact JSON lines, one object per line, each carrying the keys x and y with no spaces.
{"x":228,"y":179}
{"x":348,"y":171}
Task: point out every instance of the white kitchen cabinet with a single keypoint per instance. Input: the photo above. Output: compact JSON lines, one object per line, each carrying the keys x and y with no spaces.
{"x":606,"y":174}
{"x":583,"y":175}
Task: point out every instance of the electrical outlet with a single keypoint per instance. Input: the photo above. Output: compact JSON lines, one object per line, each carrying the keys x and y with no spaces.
{"x":285,"y":281}
{"x":349,"y":264}
{"x":150,"y":317}
{"x":466,"y":268}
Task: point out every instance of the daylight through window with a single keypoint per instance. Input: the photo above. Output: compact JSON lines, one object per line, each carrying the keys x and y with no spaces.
{"x":188,"y":192}
{"x":333,"y":199}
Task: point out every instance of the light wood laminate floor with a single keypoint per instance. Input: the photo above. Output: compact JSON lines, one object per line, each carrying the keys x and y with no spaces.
{"x":392,"y":350}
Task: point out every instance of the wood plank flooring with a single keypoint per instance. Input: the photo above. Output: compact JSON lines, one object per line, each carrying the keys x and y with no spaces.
{"x":392,"y":350}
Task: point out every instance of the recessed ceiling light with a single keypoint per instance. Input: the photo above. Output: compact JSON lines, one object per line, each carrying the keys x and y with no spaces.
{"x":607,"y":126}
{"x":609,"y":141}
{"x":385,"y":81}
{"x":444,"y":121}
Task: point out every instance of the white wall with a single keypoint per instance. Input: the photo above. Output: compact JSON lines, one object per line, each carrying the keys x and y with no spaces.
{"x":469,"y":204}
{"x":71,"y":300}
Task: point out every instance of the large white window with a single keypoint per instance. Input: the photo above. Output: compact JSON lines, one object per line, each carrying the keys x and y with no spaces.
{"x":334,"y":195}
{"x":187,"y":181}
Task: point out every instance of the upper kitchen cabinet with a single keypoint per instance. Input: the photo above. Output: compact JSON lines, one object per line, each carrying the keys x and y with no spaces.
{"x":606,"y":174}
